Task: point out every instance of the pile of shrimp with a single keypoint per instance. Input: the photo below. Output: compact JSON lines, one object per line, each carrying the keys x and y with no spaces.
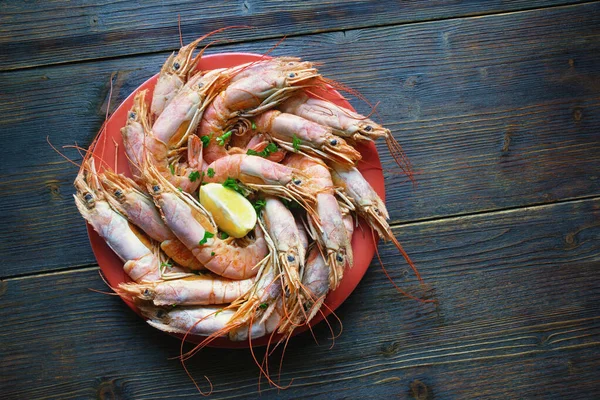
{"x":259,"y":129}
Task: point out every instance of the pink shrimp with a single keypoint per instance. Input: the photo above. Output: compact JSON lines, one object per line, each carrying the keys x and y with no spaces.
{"x":263,"y":175}
{"x":330,"y":233}
{"x":271,"y":82}
{"x":358,"y":194}
{"x":202,"y":289}
{"x":137,"y":206}
{"x":175,"y":73}
{"x":141,"y":263}
{"x":297,"y":134}
{"x":193,"y":225}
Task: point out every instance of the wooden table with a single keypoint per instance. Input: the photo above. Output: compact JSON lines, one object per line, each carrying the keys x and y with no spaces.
{"x":496,"y":103}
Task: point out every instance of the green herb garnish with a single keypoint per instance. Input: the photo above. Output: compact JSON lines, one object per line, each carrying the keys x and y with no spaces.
{"x":253,"y":125}
{"x":205,"y":140}
{"x":221,"y":139}
{"x":210,"y":172}
{"x":292,"y":205}
{"x":166,"y":265}
{"x":271,"y":148}
{"x":233,"y":185}
{"x":194,"y":176}
{"x":207,"y":235}
{"x":172,"y":169}
{"x":224,"y":235}
{"x":212,"y":253}
{"x":180,"y":189}
{"x":296,"y":142}
{"x":259,"y":205}
{"x":263,"y":306}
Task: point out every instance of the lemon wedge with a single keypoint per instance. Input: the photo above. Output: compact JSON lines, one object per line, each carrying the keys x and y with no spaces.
{"x":232,"y":212}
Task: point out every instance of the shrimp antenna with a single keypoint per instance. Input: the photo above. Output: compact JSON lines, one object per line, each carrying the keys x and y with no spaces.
{"x":403,"y":292}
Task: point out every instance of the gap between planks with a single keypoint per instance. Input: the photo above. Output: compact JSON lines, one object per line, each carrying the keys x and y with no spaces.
{"x":504,"y":211}
{"x":308,"y":34}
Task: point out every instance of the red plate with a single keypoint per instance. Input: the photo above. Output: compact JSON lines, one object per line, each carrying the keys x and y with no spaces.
{"x":362,"y":242}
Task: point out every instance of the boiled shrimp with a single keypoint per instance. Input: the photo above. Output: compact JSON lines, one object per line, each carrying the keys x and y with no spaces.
{"x":131,"y":246}
{"x":202,"y":289}
{"x":194,"y":226}
{"x":271,"y":82}
{"x":330,"y":233}
{"x":297,"y":134}
{"x":137,"y":206}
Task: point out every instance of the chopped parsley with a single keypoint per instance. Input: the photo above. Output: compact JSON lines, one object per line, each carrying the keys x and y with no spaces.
{"x":212,"y":253}
{"x":195,"y":175}
{"x":221,"y":139}
{"x":263,"y":306}
{"x":166,"y":265}
{"x":205,"y":140}
{"x":224,"y":235}
{"x":207,"y":235}
{"x":296,"y":142}
{"x":259,"y":205}
{"x":271,"y":148}
{"x":180,"y":189}
{"x":172,"y":169}
{"x":210,"y":172}
{"x":233,"y":185}
{"x":253,"y":126}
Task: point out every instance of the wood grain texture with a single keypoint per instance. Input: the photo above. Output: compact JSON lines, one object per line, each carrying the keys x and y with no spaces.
{"x":494,"y":112}
{"x":518,"y":317}
{"x":51,"y":32}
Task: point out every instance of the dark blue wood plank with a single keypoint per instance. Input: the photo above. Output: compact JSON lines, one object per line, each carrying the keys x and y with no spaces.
{"x":40,"y":33}
{"x":518,"y":317}
{"x":495,"y":113}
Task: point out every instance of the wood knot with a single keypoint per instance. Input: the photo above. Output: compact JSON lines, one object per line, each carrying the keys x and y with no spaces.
{"x":419,"y":390}
{"x":506,"y":142}
{"x":54,"y":188}
{"x":390,"y":349}
{"x":577,"y":114}
{"x":570,"y":239}
{"x":108,"y":389}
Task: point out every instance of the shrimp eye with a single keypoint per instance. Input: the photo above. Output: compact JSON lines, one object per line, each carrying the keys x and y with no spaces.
{"x":339,"y":258}
{"x":333,"y":142}
{"x":297,"y":181}
{"x":88,"y":197}
{"x":291,"y":258}
{"x":176,"y":66}
{"x":160,"y":314}
{"x":368,"y":128}
{"x":118,"y":193}
{"x":292,"y":75}
{"x":201,"y":84}
{"x":146,"y":292}
{"x":132,"y":115}
{"x":291,"y":63}
{"x":156,"y":188}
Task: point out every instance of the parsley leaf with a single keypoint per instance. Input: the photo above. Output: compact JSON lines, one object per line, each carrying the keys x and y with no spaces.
{"x":207,"y":235}
{"x":172,"y":169}
{"x":221,"y":139}
{"x":210,"y":172}
{"x":271,"y":148}
{"x":166,"y":265}
{"x":212,"y":253}
{"x":253,"y":125}
{"x":296,"y":142}
{"x":194,"y":176}
{"x":259,"y":205}
{"x":263,"y":306}
{"x":205,"y":140}
{"x":224,"y":235}
{"x":233,"y":185}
